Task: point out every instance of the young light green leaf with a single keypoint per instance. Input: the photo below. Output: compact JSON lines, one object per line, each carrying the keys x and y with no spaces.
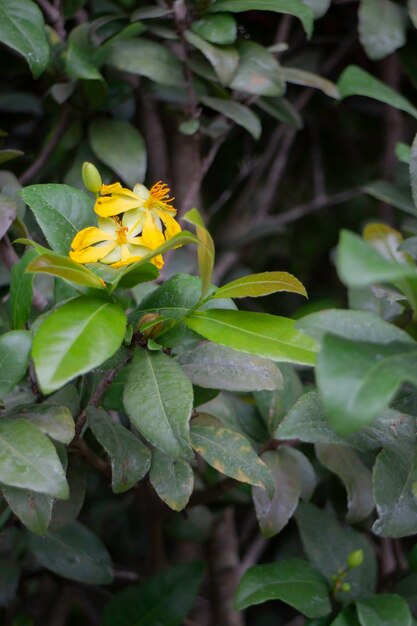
{"x":64,"y":267}
{"x":354,"y":81}
{"x":173,"y":480}
{"x":21,"y":291}
{"x":130,"y":458}
{"x":61,"y":211}
{"x":33,"y":509}
{"x":381,"y":27}
{"x":224,"y":60}
{"x":384,"y":609}
{"x":166,"y":599}
{"x":22,"y":28}
{"x":28,"y":459}
{"x":229,"y":452}
{"x":158,"y":398}
{"x":259,"y":72}
{"x":292,"y":7}
{"x":356,"y":477}
{"x":206,"y":251}
{"x":262,"y":334}
{"x":236,"y":112}
{"x":213,"y":366}
{"x":75,"y":338}
{"x":308,"y":79}
{"x":15,"y":349}
{"x":73,"y":552}
{"x":293,"y":581}
{"x":119,"y":145}
{"x":262,"y":284}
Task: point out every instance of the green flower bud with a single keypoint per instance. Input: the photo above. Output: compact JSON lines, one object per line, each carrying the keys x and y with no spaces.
{"x":150,"y":331}
{"x":355,"y":559}
{"x":345,"y":587}
{"x":91,"y":177}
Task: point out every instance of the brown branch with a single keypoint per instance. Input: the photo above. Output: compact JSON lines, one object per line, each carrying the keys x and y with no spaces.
{"x":54,"y":15}
{"x":32,"y":171}
{"x":195,"y":183}
{"x":91,"y":457}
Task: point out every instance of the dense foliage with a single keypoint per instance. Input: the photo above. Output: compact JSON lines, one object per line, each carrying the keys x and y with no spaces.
{"x":184,"y":439}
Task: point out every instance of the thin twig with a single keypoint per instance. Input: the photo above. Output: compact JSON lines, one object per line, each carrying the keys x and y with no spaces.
{"x":253,"y":553}
{"x":195,"y":184}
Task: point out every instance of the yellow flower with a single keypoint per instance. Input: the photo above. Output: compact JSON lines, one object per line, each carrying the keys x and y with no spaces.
{"x":117,"y":242}
{"x":149,"y":209}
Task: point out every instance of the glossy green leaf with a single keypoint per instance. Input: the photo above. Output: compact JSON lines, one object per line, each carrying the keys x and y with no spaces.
{"x":219,"y":29}
{"x":258,"y":73}
{"x":173,"y":480}
{"x":262,"y":284}
{"x":130,"y":458}
{"x":22,"y":28}
{"x":293,"y":581}
{"x":292,"y":7}
{"x":64,"y":267}
{"x":384,"y":609}
{"x":75,"y":338}
{"x":356,"y":477}
{"x":121,"y":147}
{"x":381,"y":27}
{"x":28,"y":459}
{"x":398,"y":197}
{"x":55,"y":421}
{"x":158,"y":398}
{"x":328,"y":545}
{"x":61,"y":211}
{"x":308,"y":79}
{"x":206,"y":251}
{"x":164,"y":599}
{"x":293,"y":478}
{"x":224,"y":60}
{"x":73,"y":552}
{"x":147,"y":58}
{"x":21,"y":291}
{"x":229,"y":452}
{"x":15,"y":349}
{"x":213,"y":366}
{"x":236,"y":112}
{"x":79,"y":59}
{"x":262,"y":334}
{"x":33,"y":509}
{"x":354,"y":81}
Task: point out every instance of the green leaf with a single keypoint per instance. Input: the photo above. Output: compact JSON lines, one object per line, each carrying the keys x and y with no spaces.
{"x":28,"y":459}
{"x":262,"y":334}
{"x":55,"y":421}
{"x":259,"y":72}
{"x":229,"y":452}
{"x":282,"y":110}
{"x":22,"y":28}
{"x":407,"y":588}
{"x":8,"y":211}
{"x":328,"y":546}
{"x":64,"y":267}
{"x":398,"y":197}
{"x":217,"y":367}
{"x":293,"y":581}
{"x":354,"y":81}
{"x":292,"y":7}
{"x":347,"y":617}
{"x":33,"y":509}
{"x":357,"y":380}
{"x":224,"y":60}
{"x":61,"y":211}
{"x":274,"y":405}
{"x":413,"y":172}
{"x":15,"y":349}
{"x":381,"y":27}
{"x":238,"y":113}
{"x":308,"y":79}
{"x":319,"y":7}
{"x":120,"y":146}
{"x":73,"y":552}
{"x":21,"y":291}
{"x":412,"y":11}
{"x":130,"y":458}
{"x":65,"y":512}
{"x":173,"y":480}
{"x":384,"y":609}
{"x":147,"y":58}
{"x":218,"y":29}
{"x":9,"y":154}
{"x":262,"y":284}
{"x":403,"y":152}
{"x":158,"y":398}
{"x":79,"y":60}
{"x":293,"y":477}
{"x":75,"y":338}
{"x":134,"y":274}
{"x":165,"y":599}
{"x":356,"y":477}
{"x":206,"y":251}
{"x":394,"y":477}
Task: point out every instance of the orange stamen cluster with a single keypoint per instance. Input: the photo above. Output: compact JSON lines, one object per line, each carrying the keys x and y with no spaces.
{"x":159,"y":195}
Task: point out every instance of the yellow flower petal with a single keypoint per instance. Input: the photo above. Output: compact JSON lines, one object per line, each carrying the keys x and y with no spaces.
{"x":171,"y":225}
{"x":88,"y":236}
{"x":106,"y":206}
{"x":92,"y":254}
{"x":151,"y":237}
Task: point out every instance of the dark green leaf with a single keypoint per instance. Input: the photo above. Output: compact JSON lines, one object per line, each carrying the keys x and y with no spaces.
{"x":224,"y":60}
{"x":237,"y":112}
{"x":218,"y":29}
{"x":173,"y":480}
{"x":282,"y":110}
{"x":21,"y":291}
{"x":381,"y":27}
{"x":55,"y":421}
{"x":33,"y":509}
{"x":384,"y":609}
{"x":79,"y":61}
{"x":15,"y":349}
{"x":65,"y":512}
{"x":274,"y":405}
{"x":258,"y":73}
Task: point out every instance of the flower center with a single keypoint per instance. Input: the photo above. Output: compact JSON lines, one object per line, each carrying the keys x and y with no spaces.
{"x":121,"y":235}
{"x":159,"y":197}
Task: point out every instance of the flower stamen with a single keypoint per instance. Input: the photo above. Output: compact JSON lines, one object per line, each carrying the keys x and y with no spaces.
{"x":159,"y":197}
